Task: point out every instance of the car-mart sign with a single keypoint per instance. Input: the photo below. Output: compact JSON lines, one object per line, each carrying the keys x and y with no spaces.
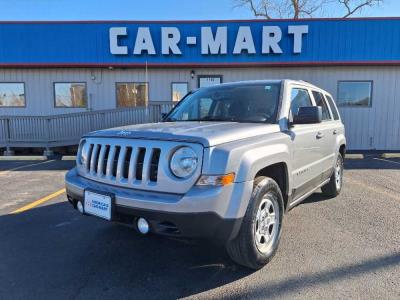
{"x":200,"y":43}
{"x":211,"y":43}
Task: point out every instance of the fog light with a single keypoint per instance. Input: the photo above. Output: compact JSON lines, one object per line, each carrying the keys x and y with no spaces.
{"x":79,"y":206}
{"x":143,"y":226}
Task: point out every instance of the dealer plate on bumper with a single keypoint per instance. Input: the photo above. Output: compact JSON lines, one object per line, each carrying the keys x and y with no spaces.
{"x":98,"y":205}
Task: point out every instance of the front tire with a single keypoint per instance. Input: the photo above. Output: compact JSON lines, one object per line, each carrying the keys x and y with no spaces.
{"x":260,"y":232}
{"x":334,"y":186}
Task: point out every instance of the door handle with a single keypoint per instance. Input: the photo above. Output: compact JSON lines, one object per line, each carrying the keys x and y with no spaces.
{"x":335,"y":131}
{"x":320,"y":135}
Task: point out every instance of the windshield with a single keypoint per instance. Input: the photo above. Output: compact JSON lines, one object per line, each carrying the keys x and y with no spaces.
{"x":256,"y":102}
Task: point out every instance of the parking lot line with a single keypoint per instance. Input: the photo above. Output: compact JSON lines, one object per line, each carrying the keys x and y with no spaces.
{"x":25,"y":166}
{"x":39,"y":201}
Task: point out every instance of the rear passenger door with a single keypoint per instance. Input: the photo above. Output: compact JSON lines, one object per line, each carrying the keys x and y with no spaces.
{"x":325,"y":135}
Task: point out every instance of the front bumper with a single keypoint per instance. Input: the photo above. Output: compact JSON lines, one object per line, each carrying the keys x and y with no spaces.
{"x":203,"y":212}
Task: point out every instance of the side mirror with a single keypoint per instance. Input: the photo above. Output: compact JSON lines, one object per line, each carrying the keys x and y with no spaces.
{"x":308,"y":115}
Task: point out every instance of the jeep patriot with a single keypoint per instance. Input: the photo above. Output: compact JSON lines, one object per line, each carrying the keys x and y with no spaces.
{"x":225,"y":164}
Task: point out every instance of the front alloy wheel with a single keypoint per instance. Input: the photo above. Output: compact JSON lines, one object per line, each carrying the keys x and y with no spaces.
{"x":266,"y":224}
{"x":260,"y":232}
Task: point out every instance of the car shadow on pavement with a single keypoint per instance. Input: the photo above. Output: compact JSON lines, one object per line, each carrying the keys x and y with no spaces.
{"x":372,"y":163}
{"x":53,"y":252}
{"x":316,"y":197}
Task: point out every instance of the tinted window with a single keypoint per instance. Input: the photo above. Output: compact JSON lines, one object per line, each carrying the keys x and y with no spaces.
{"x":131,"y":94}
{"x":333,"y":107}
{"x":231,"y":103}
{"x":70,"y":94}
{"x":12,"y":95}
{"x":320,"y":101}
{"x":354,"y":93}
{"x":299,"y":98}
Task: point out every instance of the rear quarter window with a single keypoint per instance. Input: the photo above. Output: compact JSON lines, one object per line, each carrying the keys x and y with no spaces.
{"x":333,"y":107}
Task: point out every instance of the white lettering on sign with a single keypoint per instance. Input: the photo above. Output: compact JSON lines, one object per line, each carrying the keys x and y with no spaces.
{"x":170,"y":37}
{"x":214,"y":45}
{"x":244,"y":41}
{"x":272,"y":35}
{"x":115,"y":32}
{"x":144,"y":42}
{"x":213,"y":41}
{"x":297,"y":32}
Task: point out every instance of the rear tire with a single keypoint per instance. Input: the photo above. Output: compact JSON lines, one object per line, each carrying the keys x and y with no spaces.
{"x":334,"y":186}
{"x":260,"y":232}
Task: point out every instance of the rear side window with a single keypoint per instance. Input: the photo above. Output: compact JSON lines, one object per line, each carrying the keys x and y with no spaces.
{"x":319,"y":100}
{"x":333,"y":107}
{"x":299,"y":98}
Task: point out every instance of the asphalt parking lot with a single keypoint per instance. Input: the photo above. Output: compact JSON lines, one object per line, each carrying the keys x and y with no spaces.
{"x":347,"y":247}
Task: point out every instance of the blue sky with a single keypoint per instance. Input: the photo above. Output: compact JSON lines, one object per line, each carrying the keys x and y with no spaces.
{"x":142,"y":10}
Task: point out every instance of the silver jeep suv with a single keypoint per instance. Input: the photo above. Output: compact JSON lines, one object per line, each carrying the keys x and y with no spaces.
{"x":225,"y":164}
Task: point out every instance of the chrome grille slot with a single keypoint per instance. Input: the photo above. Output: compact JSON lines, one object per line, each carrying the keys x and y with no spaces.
{"x":105,"y":159}
{"x":139,"y":163}
{"x":115,"y":161}
{"x":94,"y":158}
{"x":89,"y":157}
{"x":155,"y":158}
{"x":127,"y":159}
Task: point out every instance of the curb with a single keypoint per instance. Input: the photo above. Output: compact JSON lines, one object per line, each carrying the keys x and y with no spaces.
{"x":13,"y":157}
{"x":390,"y":155}
{"x":68,"y":157}
{"x":354,"y":156}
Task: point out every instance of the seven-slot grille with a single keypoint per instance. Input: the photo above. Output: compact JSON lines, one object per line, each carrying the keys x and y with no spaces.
{"x":122,"y":163}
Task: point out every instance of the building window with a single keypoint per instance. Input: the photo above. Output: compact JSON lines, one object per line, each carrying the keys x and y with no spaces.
{"x":131,"y":94}
{"x":209,"y":80}
{"x":12,"y":94}
{"x":70,"y":94}
{"x":354,"y":93}
{"x":179,"y":90}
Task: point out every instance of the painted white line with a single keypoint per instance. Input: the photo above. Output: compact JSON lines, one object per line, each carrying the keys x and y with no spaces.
{"x":24,"y":166}
{"x":393,"y":162}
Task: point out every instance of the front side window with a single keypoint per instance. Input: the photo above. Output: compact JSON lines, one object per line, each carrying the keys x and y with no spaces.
{"x":12,"y":94}
{"x":179,"y":90}
{"x":320,"y":101}
{"x":299,"y":98}
{"x":70,"y":94}
{"x":131,"y":94}
{"x":354,"y":93}
{"x":231,"y":103}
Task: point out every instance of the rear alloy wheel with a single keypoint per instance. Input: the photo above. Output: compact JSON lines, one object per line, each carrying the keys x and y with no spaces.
{"x":334,"y":186}
{"x":260,"y":232}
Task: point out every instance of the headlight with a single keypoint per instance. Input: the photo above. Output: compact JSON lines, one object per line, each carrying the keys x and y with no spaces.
{"x":84,"y":152}
{"x":184,"y":162}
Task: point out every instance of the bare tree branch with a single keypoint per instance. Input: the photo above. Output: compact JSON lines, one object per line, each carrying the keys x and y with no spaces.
{"x":358,"y":6}
{"x":295,"y":9}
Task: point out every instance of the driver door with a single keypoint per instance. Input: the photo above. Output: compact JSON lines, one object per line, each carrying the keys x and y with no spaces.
{"x":306,"y":154}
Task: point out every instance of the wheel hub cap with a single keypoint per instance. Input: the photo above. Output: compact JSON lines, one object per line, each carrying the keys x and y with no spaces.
{"x":266,"y":225}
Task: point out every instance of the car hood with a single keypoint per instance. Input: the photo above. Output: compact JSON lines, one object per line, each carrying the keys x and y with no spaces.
{"x":206,"y":133}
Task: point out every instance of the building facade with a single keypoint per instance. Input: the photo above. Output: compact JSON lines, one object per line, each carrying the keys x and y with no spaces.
{"x":53,"y":68}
